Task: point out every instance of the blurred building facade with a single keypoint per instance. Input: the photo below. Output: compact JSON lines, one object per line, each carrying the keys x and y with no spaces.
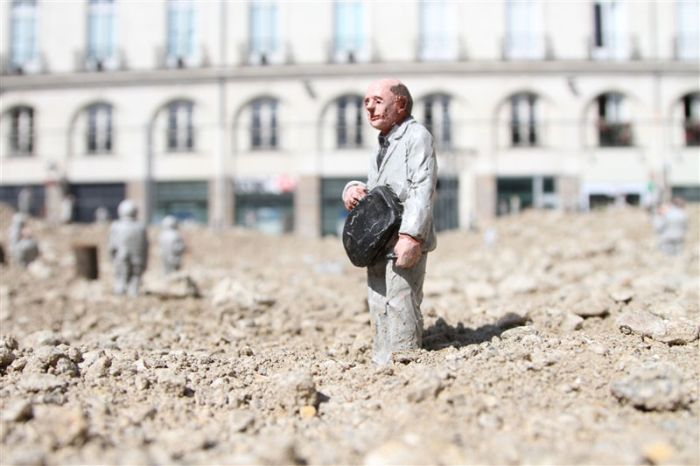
{"x":251,"y":113}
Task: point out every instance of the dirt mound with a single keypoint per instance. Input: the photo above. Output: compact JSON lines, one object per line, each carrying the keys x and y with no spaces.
{"x":560,"y":339}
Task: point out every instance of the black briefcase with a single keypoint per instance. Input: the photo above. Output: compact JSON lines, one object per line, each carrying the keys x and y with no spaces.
{"x":372,"y":226}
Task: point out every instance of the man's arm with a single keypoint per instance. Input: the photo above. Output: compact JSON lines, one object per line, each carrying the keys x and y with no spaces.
{"x":417,"y":217}
{"x":422,"y":171}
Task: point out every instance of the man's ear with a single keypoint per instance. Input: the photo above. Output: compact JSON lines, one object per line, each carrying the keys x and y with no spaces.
{"x":402,"y":101}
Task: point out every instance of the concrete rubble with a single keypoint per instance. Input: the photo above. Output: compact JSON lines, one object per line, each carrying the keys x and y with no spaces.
{"x":570,"y":340}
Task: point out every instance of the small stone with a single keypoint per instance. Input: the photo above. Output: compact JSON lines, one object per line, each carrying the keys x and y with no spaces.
{"x":43,"y":338}
{"x":622,"y":295}
{"x":172,"y":382}
{"x":518,"y":333}
{"x":307,"y":412}
{"x":658,"y":452}
{"x":511,"y":320}
{"x":299,"y":390}
{"x":652,"y":387}
{"x":676,"y":331}
{"x":240,"y":421}
{"x":18,"y":411}
{"x":592,"y":307}
{"x":6,"y":357}
{"x":41,"y":382}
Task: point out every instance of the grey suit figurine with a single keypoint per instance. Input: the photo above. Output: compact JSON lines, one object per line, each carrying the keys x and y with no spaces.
{"x":405,"y":161}
{"x":128,"y":248}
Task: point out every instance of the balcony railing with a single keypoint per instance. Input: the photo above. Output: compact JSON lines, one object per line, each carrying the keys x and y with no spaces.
{"x":363,"y":52}
{"x":36,"y":65}
{"x":275,"y":53}
{"x":198,"y":59}
{"x":84,"y":61}
{"x":526,"y":47}
{"x":615,"y":47}
{"x":614,"y":134}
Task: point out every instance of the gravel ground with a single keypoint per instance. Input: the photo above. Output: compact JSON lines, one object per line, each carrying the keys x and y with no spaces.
{"x":570,"y":340}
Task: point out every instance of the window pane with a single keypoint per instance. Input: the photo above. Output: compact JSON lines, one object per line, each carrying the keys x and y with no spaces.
{"x":23,"y":33}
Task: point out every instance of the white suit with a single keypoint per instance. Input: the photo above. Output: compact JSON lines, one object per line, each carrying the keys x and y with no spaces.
{"x":409,"y":167}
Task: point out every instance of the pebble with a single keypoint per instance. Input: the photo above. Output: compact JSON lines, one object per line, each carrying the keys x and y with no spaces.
{"x":41,"y":382}
{"x":651,"y":387}
{"x":676,"y":331}
{"x":18,"y":411}
{"x":307,"y":412}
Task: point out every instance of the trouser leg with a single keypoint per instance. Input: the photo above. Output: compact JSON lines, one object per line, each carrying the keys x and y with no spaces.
{"x":121,"y":272}
{"x":394,"y":296}
{"x":135,"y":280}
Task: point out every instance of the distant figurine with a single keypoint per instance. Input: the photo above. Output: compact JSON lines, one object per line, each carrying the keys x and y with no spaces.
{"x":67,"y":206}
{"x":172,"y":245}
{"x":24,"y":201}
{"x":128,"y":248}
{"x":670,"y":223}
{"x":23,"y":246}
{"x":101,"y":214}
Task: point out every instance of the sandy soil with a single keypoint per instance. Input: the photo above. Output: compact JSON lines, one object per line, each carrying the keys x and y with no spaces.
{"x":571,"y":340}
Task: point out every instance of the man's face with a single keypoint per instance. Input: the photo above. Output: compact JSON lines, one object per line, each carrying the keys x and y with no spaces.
{"x":384,"y":109}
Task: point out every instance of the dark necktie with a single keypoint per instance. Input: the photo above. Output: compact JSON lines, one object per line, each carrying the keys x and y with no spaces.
{"x":383,"y":146}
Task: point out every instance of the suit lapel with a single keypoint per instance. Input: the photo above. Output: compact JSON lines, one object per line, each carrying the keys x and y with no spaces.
{"x":394,"y":138}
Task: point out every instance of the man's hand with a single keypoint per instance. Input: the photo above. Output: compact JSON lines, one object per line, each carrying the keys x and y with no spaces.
{"x":408,"y":251}
{"x":353,"y":195}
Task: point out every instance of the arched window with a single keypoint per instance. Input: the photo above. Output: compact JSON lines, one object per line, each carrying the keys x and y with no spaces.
{"x":435,"y":115}
{"x":21,"y":131}
{"x":263,"y":124}
{"x":524,"y":116}
{"x":348,"y":126}
{"x":180,"y":128}
{"x":98,"y":133}
{"x":613,"y":122}
{"x":691,"y":119}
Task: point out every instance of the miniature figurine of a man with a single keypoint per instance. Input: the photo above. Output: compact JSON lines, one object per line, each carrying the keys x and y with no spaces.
{"x":23,"y":246}
{"x":172,"y":246}
{"x":405,"y":161}
{"x":128,"y":248}
{"x":671,"y":223}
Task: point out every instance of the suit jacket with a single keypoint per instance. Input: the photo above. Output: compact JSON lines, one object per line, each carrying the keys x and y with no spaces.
{"x":409,"y":168}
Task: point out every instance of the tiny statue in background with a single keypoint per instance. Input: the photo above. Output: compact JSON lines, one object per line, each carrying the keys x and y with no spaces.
{"x":671,"y":222}
{"x":128,"y":249}
{"x":23,"y":246}
{"x":172,"y":246}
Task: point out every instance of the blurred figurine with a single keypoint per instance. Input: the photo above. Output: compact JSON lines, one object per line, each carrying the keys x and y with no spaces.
{"x":101,"y":214}
{"x":23,"y":247}
{"x":670,"y":223}
{"x":24,"y":201}
{"x":67,"y":205}
{"x":490,"y":237}
{"x":171,"y":245}
{"x":128,"y":248}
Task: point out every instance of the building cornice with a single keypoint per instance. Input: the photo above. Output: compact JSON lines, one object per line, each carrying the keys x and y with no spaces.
{"x":130,"y":78}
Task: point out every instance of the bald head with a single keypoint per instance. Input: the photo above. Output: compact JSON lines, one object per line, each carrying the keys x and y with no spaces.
{"x":387,"y":102}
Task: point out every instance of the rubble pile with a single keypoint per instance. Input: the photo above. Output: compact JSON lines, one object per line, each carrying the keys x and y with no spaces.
{"x":568,"y":339}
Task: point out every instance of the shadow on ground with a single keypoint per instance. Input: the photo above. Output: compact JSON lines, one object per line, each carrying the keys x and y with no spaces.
{"x":441,"y":334}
